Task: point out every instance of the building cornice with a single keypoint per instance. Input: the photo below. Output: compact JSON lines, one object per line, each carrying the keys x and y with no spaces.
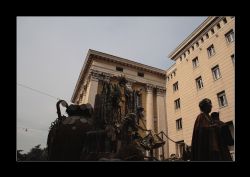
{"x":126,"y":62}
{"x":201,"y":30}
{"x":92,"y":54}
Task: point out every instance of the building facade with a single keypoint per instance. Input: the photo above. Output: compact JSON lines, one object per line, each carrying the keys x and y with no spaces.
{"x":99,"y":66}
{"x":204,"y":68}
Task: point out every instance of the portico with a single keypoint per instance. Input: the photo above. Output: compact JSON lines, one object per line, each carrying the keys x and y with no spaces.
{"x":99,"y":66}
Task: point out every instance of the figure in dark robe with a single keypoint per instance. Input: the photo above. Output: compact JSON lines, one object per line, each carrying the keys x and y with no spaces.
{"x":225,"y":138}
{"x":207,"y":144}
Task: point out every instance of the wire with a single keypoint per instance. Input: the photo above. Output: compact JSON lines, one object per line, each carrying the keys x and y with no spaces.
{"x":167,"y":137}
{"x":38,"y":91}
{"x":60,"y":99}
{"x":171,"y":139}
{"x":31,"y":129}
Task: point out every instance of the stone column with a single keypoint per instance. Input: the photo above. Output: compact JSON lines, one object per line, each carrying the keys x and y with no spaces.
{"x":80,"y":99}
{"x":83,"y":97}
{"x":161,"y":115}
{"x":149,"y":107}
{"x":130,"y":106}
{"x":85,"y":86}
{"x":149,"y":110}
{"x":92,"y":89}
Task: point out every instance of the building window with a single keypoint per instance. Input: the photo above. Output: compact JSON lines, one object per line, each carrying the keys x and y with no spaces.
{"x":140,"y":74}
{"x":184,"y":55}
{"x":216,"y":72}
{"x":193,"y":48}
{"x":180,"y":148}
{"x":195,"y":62}
{"x":175,"y":86}
{"x":188,"y":52}
{"x":232,"y":58}
{"x":177,"y":103}
{"x":199,"y":83}
{"x":181,"y":58}
{"x":212,"y":31}
{"x":207,"y":36}
{"x":210,"y":50}
{"x":197,"y":44}
{"x":230,"y":36}
{"x":218,"y":26}
{"x":224,"y":20}
{"x":202,"y":40}
{"x":119,"y":69}
{"x":222,"y":99}
{"x":179,"y":124}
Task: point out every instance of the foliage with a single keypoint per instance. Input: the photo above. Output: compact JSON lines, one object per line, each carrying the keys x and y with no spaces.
{"x":35,"y":154}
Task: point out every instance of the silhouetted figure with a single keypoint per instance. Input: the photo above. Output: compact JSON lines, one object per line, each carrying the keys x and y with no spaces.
{"x":186,"y":153}
{"x":225,"y":138}
{"x":207,"y":144}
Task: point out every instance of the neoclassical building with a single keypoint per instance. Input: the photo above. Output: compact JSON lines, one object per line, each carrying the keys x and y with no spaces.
{"x":151,"y":80}
{"x":204,"y":68}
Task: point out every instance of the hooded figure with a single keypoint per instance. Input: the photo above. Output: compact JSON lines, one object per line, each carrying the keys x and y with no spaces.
{"x":207,"y":144}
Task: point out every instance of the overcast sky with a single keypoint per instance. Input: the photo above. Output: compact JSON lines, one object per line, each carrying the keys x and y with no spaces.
{"x":51,"y":52}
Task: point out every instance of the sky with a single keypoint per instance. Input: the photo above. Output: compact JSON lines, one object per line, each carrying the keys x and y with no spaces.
{"x":51,"y":52}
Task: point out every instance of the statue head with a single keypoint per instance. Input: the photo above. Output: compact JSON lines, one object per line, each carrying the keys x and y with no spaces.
{"x":205,"y":105}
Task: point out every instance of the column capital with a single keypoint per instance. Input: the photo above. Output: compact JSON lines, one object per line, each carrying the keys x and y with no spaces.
{"x":149,"y":88}
{"x":160,"y":90}
{"x":94,"y":75}
{"x":98,"y":75}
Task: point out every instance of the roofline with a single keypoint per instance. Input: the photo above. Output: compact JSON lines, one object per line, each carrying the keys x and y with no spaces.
{"x":203,"y":28}
{"x":88,"y":60}
{"x":123,"y":60}
{"x":172,"y":66}
{"x":79,"y":77}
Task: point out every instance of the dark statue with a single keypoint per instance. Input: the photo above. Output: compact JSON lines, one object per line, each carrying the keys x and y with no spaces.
{"x":107,"y":132}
